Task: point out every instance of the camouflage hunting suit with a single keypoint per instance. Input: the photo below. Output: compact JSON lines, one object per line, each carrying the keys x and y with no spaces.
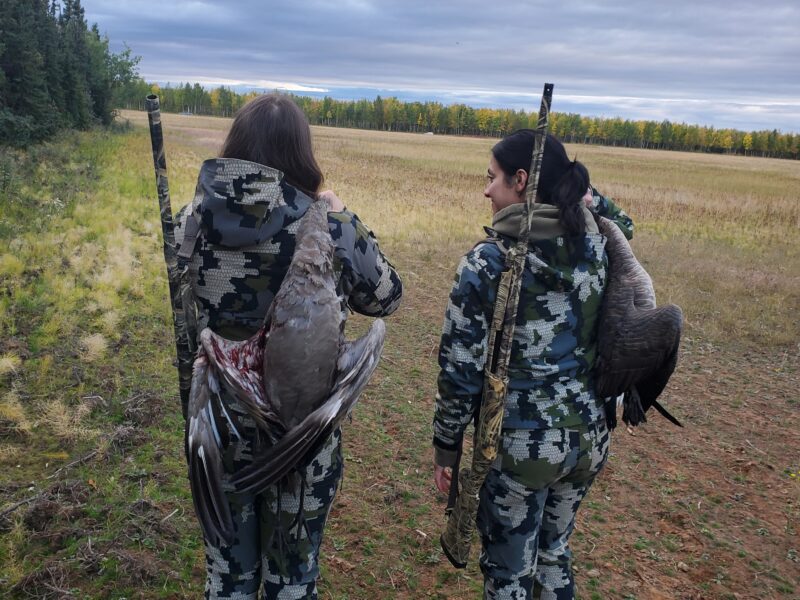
{"x":555,"y":439}
{"x":248,"y":216}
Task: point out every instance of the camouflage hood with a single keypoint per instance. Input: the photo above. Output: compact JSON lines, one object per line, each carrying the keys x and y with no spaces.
{"x":244,"y":203}
{"x":545,"y":221}
{"x":558,"y":254}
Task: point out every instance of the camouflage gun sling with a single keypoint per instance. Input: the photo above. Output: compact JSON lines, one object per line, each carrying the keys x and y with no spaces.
{"x":179,"y":288}
{"x":462,"y":506}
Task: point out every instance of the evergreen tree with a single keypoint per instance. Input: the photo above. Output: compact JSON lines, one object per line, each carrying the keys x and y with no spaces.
{"x":98,"y":75}
{"x":29,"y":115}
{"x":74,"y":64}
{"x":49,"y":39}
{"x":55,"y":71}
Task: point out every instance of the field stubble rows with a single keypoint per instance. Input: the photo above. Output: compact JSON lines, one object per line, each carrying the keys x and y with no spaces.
{"x":710,"y":511}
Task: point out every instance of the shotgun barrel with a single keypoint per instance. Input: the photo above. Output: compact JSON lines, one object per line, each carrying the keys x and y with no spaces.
{"x":462,"y":508}
{"x":175,"y":271}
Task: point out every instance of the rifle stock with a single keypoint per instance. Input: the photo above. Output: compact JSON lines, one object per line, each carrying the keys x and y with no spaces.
{"x":456,"y":539}
{"x":175,"y":272}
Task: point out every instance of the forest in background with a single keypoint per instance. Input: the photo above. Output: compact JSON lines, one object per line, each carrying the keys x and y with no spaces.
{"x":392,"y":114}
{"x":56,"y":72}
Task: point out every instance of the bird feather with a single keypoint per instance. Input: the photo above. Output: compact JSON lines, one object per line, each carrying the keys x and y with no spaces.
{"x":356,"y":363}
{"x":637,"y":341}
{"x":205,"y":462}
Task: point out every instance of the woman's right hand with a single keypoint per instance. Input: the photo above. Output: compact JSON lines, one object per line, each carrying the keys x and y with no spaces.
{"x":332,"y":200}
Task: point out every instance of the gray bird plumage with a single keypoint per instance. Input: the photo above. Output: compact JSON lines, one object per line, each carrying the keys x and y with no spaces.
{"x":305,"y":324}
{"x":297,"y":378}
{"x":637,"y":341}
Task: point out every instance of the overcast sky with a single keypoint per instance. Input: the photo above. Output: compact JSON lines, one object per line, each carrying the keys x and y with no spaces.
{"x":727,"y":63}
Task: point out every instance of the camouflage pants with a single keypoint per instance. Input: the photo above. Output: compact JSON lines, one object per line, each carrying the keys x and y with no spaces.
{"x":528,"y":506}
{"x":278,"y":534}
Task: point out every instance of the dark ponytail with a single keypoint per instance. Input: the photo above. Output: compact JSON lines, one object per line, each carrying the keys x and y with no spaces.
{"x":567,"y":195}
{"x":562,"y":182}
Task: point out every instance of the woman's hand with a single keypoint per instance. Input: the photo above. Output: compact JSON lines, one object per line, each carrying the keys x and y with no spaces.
{"x":588,"y":197}
{"x":332,"y":200}
{"x":442,"y":477}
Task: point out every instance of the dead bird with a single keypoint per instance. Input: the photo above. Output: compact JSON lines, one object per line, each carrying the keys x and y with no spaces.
{"x":297,"y":377}
{"x":637,"y":341}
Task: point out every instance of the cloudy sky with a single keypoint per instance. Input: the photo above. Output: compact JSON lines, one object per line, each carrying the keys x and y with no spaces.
{"x":727,"y":63}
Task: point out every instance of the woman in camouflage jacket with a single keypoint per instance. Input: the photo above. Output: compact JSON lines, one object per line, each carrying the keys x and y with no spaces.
{"x":555,"y":439}
{"x":248,"y":204}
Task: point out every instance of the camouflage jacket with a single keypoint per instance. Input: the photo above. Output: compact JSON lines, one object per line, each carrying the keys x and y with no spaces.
{"x":605,"y":207}
{"x":248,"y":217}
{"x":550,"y":372}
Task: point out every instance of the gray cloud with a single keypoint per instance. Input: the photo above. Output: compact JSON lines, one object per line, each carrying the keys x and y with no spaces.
{"x":720,"y":62}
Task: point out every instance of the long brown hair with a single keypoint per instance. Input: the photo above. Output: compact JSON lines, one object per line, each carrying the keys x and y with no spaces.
{"x":272,"y":130}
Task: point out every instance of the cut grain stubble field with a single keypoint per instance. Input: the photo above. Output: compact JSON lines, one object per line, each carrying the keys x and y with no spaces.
{"x":709,"y":511}
{"x":719,"y":236}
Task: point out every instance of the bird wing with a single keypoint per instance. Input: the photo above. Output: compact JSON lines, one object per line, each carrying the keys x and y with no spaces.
{"x":357,"y":361}
{"x":625,"y":269}
{"x":637,"y":342}
{"x":203,"y":440}
{"x":650,"y":388}
{"x":643,"y":348}
{"x":239,"y":367}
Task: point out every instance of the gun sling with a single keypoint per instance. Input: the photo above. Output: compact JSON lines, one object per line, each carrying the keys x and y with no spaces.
{"x":462,"y":506}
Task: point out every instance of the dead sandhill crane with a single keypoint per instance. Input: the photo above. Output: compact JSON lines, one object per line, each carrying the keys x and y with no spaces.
{"x":297,"y":378}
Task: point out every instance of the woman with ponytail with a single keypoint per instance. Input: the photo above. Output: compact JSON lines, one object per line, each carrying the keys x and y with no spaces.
{"x":555,"y":439}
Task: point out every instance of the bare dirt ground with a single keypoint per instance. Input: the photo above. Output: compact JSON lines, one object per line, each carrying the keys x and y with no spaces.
{"x":711,"y":510}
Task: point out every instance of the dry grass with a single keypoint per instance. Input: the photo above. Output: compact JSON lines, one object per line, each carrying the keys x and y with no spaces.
{"x":94,"y":346}
{"x":9,"y":363}
{"x":67,"y":422}
{"x":13,"y":419}
{"x":718,"y":234}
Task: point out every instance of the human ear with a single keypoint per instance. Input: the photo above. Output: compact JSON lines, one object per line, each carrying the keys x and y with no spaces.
{"x":521,"y":180}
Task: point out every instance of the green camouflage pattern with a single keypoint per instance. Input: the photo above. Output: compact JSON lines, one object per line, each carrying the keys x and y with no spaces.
{"x":248,"y":218}
{"x":555,"y":341}
{"x":605,"y":207}
{"x":456,"y":539}
{"x":185,"y":346}
{"x":528,"y":506}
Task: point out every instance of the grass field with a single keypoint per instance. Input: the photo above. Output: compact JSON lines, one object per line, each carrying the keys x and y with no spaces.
{"x":93,"y":497}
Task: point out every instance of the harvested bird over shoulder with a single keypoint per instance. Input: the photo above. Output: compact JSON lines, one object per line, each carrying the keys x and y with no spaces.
{"x":297,"y":378}
{"x":637,"y":341}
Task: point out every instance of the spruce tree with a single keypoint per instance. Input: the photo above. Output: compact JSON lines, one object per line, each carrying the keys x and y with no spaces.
{"x":74,"y":64}
{"x":30,"y":115}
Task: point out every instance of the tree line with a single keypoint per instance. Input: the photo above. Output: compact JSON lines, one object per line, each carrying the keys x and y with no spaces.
{"x":392,"y":114}
{"x":55,"y":71}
